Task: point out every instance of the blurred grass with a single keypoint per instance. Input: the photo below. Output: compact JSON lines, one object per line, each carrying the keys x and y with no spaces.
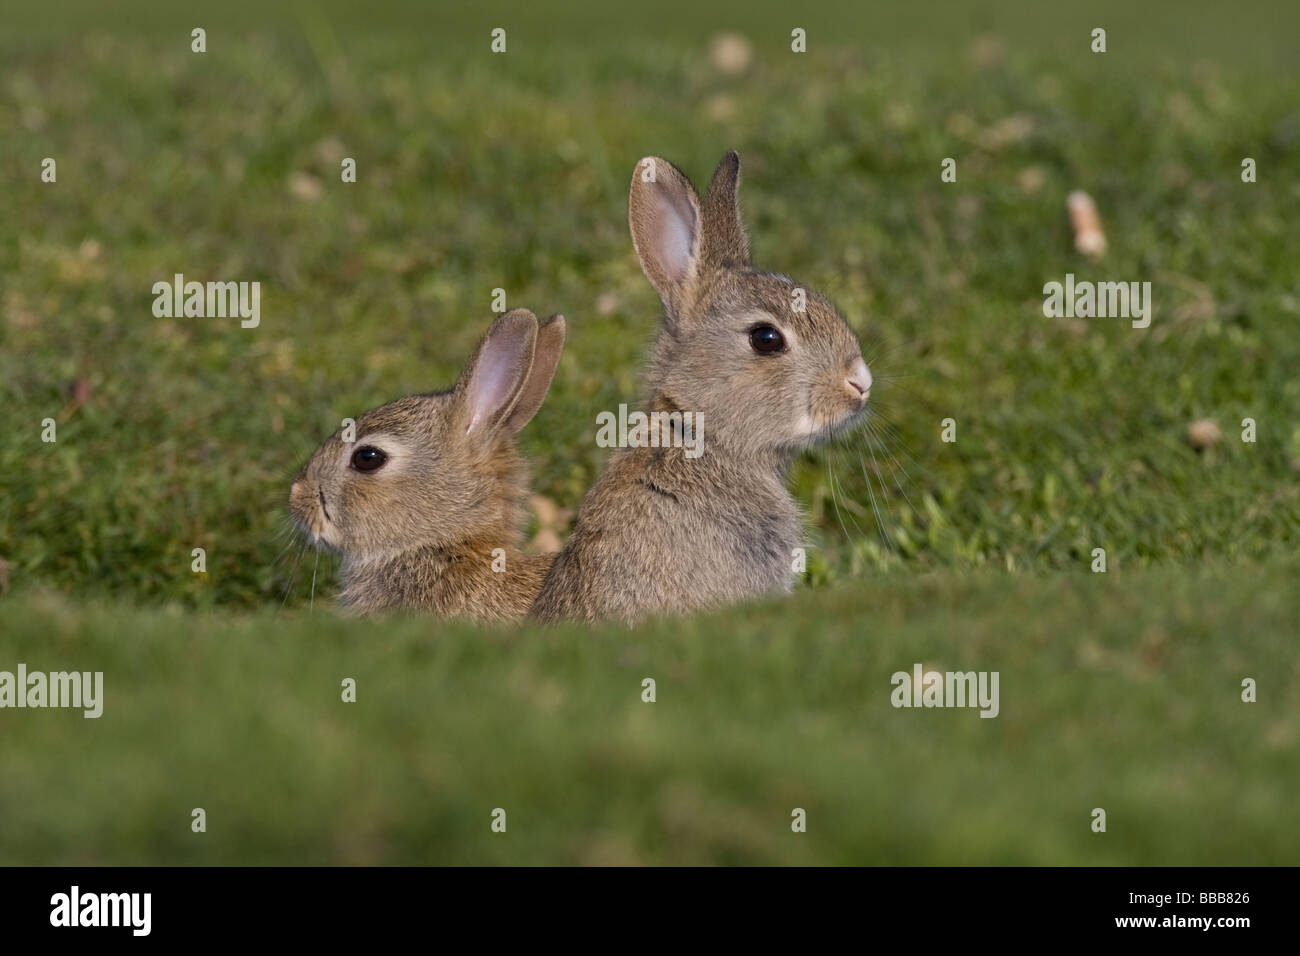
{"x":477,"y":172}
{"x":758,"y":711}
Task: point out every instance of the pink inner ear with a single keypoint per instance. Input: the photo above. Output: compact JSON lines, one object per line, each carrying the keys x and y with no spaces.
{"x":497,"y":373}
{"x":673,"y":234}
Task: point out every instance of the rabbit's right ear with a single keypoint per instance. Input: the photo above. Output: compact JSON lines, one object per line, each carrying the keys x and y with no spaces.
{"x":664,"y":215}
{"x":495,"y":379}
{"x":550,"y":343}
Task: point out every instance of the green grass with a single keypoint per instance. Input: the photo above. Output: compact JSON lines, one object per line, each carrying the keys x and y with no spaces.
{"x":477,"y":172}
{"x":1138,"y":713}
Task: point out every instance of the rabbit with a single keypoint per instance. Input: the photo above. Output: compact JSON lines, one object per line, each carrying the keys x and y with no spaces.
{"x":419,"y":504}
{"x":662,"y":531}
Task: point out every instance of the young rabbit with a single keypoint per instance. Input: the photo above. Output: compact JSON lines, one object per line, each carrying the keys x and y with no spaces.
{"x":419,"y":504}
{"x":667,"y":531}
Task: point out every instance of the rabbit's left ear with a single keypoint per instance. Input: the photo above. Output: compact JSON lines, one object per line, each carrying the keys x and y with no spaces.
{"x":495,"y":379}
{"x":724,"y":242}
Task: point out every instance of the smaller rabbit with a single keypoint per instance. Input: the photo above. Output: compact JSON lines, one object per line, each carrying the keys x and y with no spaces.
{"x":767,"y":364}
{"x":425,"y":505}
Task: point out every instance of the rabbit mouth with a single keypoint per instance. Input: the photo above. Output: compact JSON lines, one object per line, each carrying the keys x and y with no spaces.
{"x":321,"y":529}
{"x":318,"y":529}
{"x":311,"y":514}
{"x":835,"y":406}
{"x":814,"y":428}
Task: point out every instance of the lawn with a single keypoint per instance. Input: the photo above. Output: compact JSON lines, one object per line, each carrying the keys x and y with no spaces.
{"x":479,"y":171}
{"x":1120,"y":693}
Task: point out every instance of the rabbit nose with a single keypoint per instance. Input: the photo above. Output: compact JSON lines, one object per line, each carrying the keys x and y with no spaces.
{"x":859,"y":378}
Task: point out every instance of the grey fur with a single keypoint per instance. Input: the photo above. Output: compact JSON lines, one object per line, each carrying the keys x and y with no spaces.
{"x":663,"y":533}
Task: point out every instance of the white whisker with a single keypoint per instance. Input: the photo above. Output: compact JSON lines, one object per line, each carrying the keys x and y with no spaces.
{"x":311,"y":607}
{"x":293,"y":576}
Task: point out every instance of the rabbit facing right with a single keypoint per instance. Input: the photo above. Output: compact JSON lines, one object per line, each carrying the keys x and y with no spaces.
{"x":767,"y":366}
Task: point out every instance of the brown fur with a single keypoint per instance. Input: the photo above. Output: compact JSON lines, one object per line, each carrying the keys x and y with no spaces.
{"x":664,"y":533}
{"x":419,"y":532}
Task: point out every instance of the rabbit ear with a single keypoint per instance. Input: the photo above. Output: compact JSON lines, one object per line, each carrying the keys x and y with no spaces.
{"x":495,"y":379}
{"x":664,"y":215}
{"x":550,"y":343}
{"x":724,"y":242}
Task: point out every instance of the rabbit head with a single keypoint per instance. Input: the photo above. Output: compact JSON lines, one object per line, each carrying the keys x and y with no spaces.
{"x":769,"y":364}
{"x":432,"y":471}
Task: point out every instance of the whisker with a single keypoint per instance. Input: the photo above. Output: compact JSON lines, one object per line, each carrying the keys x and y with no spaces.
{"x":289,"y":544}
{"x":886,"y":431}
{"x":892,"y":433}
{"x":848,"y":503}
{"x":895,"y":384}
{"x":896,"y":463}
{"x":293,"y":576}
{"x":877,"y":353}
{"x":311,"y":606}
{"x":882,"y":527}
{"x":880,"y":524}
{"x":831,"y":481}
{"x":889,"y":386}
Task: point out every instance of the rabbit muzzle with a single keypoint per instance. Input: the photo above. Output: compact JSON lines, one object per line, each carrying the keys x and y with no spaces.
{"x":310,"y":511}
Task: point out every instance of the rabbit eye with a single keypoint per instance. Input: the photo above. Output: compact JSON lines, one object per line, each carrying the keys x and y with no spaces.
{"x":368,"y":458}
{"x":766,"y":339}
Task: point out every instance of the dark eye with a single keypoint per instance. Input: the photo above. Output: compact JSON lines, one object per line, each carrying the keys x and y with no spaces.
{"x":368,"y":458}
{"x":766,"y":339}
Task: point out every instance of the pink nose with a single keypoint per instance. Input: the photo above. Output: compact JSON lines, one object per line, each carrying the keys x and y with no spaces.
{"x":859,"y":378}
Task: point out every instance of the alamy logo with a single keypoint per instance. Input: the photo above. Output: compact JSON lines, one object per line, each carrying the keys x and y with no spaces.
{"x":924,"y":688}
{"x":57,"y":689}
{"x":216,"y":300}
{"x":103,"y":909}
{"x":1102,"y":300}
{"x":655,"y":430}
